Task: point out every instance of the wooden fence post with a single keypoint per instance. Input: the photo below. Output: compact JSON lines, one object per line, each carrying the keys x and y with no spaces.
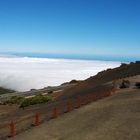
{"x":55,"y":113}
{"x":37,"y":119}
{"x":12,"y":130}
{"x":87,"y":99}
{"x":109,"y":93}
{"x":94,"y":98}
{"x":79,"y":101}
{"x":69,"y":106}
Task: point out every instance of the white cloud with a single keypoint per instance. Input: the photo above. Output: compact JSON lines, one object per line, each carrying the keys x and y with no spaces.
{"x":23,"y":73}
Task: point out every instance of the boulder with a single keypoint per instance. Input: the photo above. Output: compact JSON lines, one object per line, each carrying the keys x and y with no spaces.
{"x":125,"y":84}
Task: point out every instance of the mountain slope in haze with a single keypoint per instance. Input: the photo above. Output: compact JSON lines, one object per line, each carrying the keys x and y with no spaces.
{"x":4,"y":90}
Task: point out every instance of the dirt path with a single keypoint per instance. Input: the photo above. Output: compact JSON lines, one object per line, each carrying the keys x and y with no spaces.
{"x":113,"y":118}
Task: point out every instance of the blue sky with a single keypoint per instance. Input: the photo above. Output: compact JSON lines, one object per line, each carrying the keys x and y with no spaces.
{"x":73,"y":27}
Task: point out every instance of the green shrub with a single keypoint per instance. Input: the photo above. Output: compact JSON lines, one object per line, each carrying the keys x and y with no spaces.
{"x":14,"y":100}
{"x":39,"y":99}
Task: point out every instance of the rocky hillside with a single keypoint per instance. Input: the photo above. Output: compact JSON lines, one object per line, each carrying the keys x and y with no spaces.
{"x":88,"y":86}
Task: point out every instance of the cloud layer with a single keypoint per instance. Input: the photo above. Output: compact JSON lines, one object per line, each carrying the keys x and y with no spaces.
{"x":24,"y":73}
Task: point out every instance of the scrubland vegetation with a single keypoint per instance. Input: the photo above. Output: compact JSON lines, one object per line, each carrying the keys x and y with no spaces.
{"x":25,"y":102}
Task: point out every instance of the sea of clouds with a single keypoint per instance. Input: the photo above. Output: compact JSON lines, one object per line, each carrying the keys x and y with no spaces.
{"x":25,"y":73}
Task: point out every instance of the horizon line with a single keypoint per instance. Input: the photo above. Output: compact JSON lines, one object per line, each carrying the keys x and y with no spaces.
{"x":73,"y":56}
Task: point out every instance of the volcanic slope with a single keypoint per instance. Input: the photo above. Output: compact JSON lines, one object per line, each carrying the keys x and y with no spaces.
{"x":113,"y":118}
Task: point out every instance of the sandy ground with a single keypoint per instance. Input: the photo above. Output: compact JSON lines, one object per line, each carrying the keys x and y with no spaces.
{"x":113,"y":118}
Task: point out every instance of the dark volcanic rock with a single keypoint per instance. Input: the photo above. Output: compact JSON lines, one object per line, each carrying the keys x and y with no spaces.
{"x":125,"y":84}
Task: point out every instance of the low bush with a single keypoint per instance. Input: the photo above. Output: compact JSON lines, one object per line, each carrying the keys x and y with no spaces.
{"x":39,"y":99}
{"x":14,"y":100}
